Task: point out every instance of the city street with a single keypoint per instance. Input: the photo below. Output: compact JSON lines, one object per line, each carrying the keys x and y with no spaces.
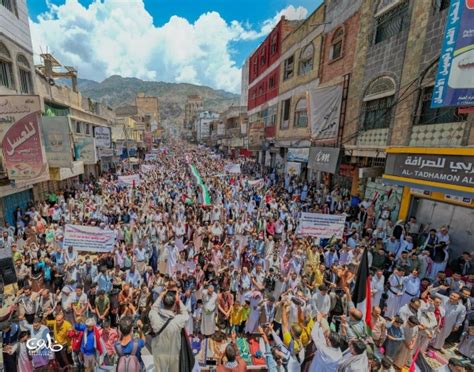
{"x":282,"y":186}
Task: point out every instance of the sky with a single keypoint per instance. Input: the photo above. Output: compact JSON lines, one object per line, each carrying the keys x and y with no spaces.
{"x":201,"y":42}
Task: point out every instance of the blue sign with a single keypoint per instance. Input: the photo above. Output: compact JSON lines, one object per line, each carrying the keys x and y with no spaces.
{"x":454,"y":84}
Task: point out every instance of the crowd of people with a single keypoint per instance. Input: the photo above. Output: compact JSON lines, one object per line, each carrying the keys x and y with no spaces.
{"x":233,"y":282}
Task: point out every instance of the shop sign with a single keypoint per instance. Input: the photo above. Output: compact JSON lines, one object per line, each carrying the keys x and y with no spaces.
{"x":22,"y":148}
{"x":458,"y":199}
{"x":298,"y":154}
{"x":448,"y":169}
{"x":324,"y":159}
{"x":417,"y":191}
{"x":85,"y":149}
{"x":293,"y":168}
{"x":454,"y":84}
{"x":57,"y":141}
{"x":102,"y":137}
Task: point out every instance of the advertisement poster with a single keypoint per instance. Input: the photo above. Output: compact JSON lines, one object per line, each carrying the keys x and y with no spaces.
{"x":102,"y":137}
{"x":323,"y":226}
{"x":298,"y":154}
{"x":454,"y":84}
{"x":89,"y":238}
{"x":293,"y":168}
{"x":85,"y":149}
{"x":57,"y":141}
{"x":20,"y":133}
{"x":130,"y":181}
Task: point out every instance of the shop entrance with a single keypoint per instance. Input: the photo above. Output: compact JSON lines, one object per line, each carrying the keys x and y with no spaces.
{"x":433,"y":214}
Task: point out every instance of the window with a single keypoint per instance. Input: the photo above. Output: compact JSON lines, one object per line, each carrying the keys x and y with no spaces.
{"x":6,"y":67}
{"x":78,"y":127}
{"x":271,"y":82}
{"x":255,"y":65}
{"x":301,"y":114}
{"x":289,"y":67}
{"x":274,"y":44}
{"x":269,"y":116}
{"x":444,"y":4}
{"x":306,"y":59}
{"x":9,"y":4}
{"x":88,"y":129}
{"x":439,"y":115}
{"x":378,"y":103}
{"x":285,"y":113}
{"x":391,"y":23}
{"x":262,"y":57}
{"x":336,"y":45}
{"x":24,"y":73}
{"x":260,"y":90}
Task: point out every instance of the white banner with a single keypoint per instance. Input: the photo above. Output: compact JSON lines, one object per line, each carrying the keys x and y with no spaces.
{"x":151,"y":157}
{"x":89,"y":238}
{"x":323,"y":226}
{"x":257,"y":183}
{"x":147,"y":168}
{"x":102,"y":137}
{"x":325,"y":111}
{"x":232,"y":168}
{"x":132,"y":180}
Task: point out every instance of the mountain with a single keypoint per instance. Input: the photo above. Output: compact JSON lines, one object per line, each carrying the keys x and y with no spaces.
{"x":117,"y":90}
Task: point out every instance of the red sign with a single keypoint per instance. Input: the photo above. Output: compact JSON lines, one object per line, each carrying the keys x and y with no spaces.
{"x":22,"y":151}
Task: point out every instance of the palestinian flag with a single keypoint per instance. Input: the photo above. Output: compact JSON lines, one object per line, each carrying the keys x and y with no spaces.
{"x":203,"y":193}
{"x":361,"y":297}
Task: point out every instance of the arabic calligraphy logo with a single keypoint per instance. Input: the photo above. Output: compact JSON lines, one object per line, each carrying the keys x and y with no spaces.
{"x":28,"y":131}
{"x":39,"y":346}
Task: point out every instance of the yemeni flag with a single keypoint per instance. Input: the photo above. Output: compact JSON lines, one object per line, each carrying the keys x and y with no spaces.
{"x":361,"y":297}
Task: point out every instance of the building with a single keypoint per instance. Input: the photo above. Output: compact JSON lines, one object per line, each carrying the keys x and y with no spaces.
{"x":17,"y":89}
{"x":193,"y":106}
{"x":202,"y":126}
{"x":148,"y":109}
{"x":233,"y":130}
{"x":263,"y":85}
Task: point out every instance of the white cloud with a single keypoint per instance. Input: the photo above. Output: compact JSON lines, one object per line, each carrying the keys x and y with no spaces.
{"x":118,"y":37}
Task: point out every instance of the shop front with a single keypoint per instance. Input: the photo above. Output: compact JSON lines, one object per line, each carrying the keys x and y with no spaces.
{"x":438,"y":188}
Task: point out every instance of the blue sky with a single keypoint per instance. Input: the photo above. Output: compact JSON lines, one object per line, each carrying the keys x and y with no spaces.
{"x":195,"y":41}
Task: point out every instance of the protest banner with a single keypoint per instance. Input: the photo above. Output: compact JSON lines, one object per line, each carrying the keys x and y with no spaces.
{"x":89,"y":238}
{"x":323,"y":226}
{"x":257,"y":183}
{"x":131,"y":181}
{"x":147,"y":168}
{"x":232,"y":168}
{"x":151,"y":157}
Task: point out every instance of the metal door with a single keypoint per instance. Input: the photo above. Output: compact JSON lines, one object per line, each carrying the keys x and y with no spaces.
{"x":11,"y":202}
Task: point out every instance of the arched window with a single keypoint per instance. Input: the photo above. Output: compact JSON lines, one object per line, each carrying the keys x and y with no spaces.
{"x":24,"y":73}
{"x":306,"y":59}
{"x":301,"y":114}
{"x":378,"y":100}
{"x":337,"y":44}
{"x":6,"y":67}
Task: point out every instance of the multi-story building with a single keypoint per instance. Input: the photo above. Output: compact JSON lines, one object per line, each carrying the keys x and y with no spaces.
{"x":17,"y":81}
{"x":202,"y":126}
{"x":148,"y":109}
{"x":233,"y":131}
{"x":263,"y":84}
{"x":192,"y":107}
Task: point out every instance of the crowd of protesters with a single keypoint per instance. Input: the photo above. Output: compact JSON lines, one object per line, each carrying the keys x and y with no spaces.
{"x":235,"y":275}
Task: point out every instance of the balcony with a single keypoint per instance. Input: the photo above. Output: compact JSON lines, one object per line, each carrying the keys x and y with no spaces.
{"x":270,"y":132}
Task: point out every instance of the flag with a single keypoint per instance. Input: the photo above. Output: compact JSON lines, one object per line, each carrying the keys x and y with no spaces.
{"x":361,"y":296}
{"x":413,"y":363}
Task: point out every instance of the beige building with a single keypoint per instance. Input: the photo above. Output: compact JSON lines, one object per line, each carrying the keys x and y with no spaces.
{"x":193,"y":106}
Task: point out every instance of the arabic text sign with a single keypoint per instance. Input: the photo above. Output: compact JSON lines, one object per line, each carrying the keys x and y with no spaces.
{"x":325,"y":110}
{"x":89,"y":238}
{"x":323,"y":226}
{"x":132,"y":180}
{"x":145,"y":168}
{"x":449,"y":169}
{"x":232,"y":168}
{"x":454,"y":84}
{"x":57,"y":141}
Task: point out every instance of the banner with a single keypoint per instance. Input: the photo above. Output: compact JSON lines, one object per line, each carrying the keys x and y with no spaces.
{"x":298,"y":154}
{"x":130,"y":181}
{"x":293,"y":168}
{"x":454,"y":84}
{"x":85,"y":149}
{"x":57,"y":141}
{"x":232,"y":168}
{"x":147,"y":168}
{"x":22,"y":149}
{"x":151,"y":157}
{"x":257,"y":183}
{"x":102,"y":137}
{"x":325,"y":109}
{"x":89,"y":238}
{"x":323,"y":226}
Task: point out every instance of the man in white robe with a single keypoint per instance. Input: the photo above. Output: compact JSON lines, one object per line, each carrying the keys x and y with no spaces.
{"x":171,"y":258}
{"x":328,"y":353}
{"x":209,"y":302}
{"x":411,"y":288}
{"x":377,"y":287}
{"x":394,"y":293}
{"x":455,"y":314}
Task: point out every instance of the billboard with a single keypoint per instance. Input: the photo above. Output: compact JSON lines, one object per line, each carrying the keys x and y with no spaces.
{"x":103,"y":137}
{"x":454,"y":84}
{"x":57,"y":141}
{"x":325,"y":110}
{"x":22,"y":149}
{"x":85,"y":150}
{"x":298,"y":154}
